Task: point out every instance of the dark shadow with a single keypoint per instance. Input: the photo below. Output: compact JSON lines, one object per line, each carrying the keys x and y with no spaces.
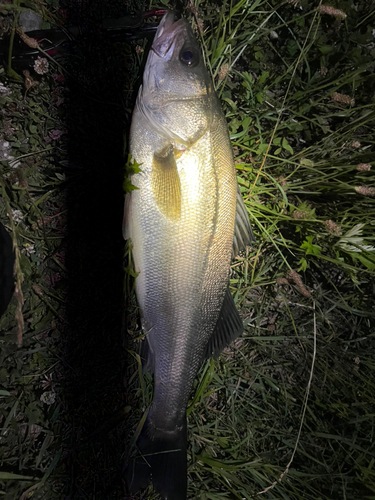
{"x":99,"y":91}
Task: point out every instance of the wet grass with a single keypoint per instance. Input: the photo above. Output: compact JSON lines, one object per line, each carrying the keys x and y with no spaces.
{"x":287,"y":411}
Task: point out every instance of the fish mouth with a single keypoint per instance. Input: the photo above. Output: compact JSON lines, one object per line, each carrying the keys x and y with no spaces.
{"x":169,"y":28}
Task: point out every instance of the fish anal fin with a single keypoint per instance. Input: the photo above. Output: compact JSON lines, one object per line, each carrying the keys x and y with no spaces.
{"x":243,"y":234}
{"x":165,"y":184}
{"x":229,"y":326}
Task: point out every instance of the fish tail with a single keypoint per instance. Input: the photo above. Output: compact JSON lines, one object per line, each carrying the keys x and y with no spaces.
{"x":162,"y":458}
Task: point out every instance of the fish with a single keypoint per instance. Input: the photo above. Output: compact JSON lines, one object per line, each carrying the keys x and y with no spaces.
{"x":185,"y":219}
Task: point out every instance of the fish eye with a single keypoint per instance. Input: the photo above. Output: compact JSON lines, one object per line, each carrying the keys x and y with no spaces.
{"x":190,"y":57}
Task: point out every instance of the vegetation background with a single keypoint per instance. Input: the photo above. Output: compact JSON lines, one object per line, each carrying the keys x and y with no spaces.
{"x":288,"y":410}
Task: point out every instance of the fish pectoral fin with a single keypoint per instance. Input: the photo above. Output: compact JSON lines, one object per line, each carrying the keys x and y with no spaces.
{"x":243,"y":234}
{"x":165,"y":184}
{"x":229,"y":326}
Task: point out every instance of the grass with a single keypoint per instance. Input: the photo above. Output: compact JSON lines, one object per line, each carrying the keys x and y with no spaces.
{"x":287,"y":411}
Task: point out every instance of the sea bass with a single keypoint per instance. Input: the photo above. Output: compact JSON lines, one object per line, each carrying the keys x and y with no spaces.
{"x":181,"y":221}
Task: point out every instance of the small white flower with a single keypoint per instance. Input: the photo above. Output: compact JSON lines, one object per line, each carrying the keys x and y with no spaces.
{"x":5,"y":153}
{"x":4,"y":90}
{"x":4,"y":149}
{"x":29,"y":249}
{"x":41,"y":65}
{"x":17,"y":215}
{"x":48,"y":397}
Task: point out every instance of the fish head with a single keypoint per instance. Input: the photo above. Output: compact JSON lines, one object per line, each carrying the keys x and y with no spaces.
{"x":177,"y":90}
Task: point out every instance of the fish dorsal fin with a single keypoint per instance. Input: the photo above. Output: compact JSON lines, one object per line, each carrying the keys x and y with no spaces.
{"x":243,"y":234}
{"x":228,"y":327}
{"x":165,"y":183}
